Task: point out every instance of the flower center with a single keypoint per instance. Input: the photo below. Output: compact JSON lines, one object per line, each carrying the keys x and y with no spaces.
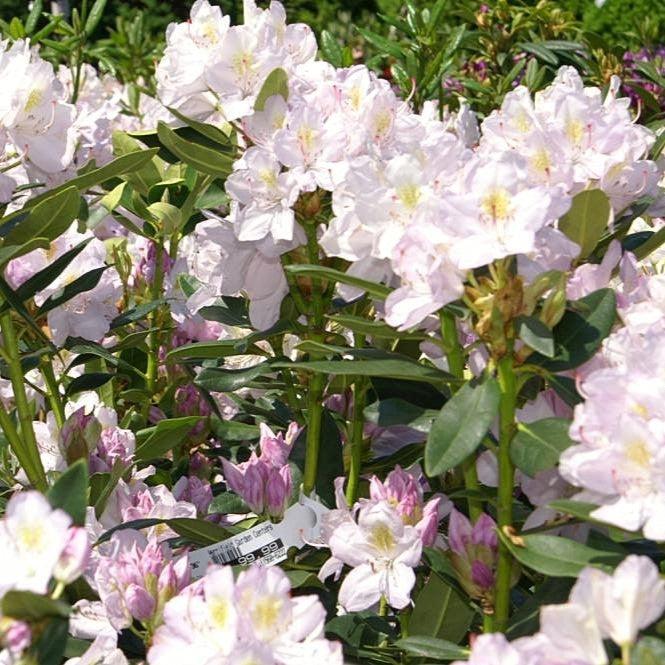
{"x":496,"y":204}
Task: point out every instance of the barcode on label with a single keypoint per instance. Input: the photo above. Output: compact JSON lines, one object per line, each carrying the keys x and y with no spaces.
{"x":225,"y":555}
{"x":233,"y":555}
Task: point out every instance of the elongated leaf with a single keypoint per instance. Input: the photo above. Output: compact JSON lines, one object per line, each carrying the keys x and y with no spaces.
{"x":165,"y":436}
{"x":536,"y":334}
{"x":441,"y":612}
{"x":198,"y":531}
{"x":48,"y":219}
{"x":136,"y":313}
{"x":84,"y":283}
{"x":461,"y":425}
{"x":211,"y":132}
{"x":537,"y":446}
{"x":384,"y":45}
{"x":28,"y":606}
{"x":88,"y":381}
{"x":216,"y":379}
{"x":48,"y":275}
{"x":33,"y":16}
{"x":50,"y":647}
{"x":95,"y":16}
{"x":559,"y":557}
{"x":202,"y":158}
{"x":588,"y":218}
{"x":433,"y":648}
{"x":9,"y":252}
{"x":376,"y":290}
{"x":201,"y":350}
{"x":395,"y":411}
{"x":70,"y":491}
{"x":277,"y":83}
{"x":228,"y":503}
{"x":330,"y":49}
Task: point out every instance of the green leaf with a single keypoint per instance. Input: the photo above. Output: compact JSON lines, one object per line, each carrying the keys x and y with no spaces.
{"x":276,"y":83}
{"x":537,"y":446}
{"x":33,"y":16}
{"x":432,"y":648}
{"x":28,"y":606}
{"x":649,"y":651}
{"x":166,"y":435}
{"x":540,"y":51}
{"x":48,"y":275}
{"x":588,"y":218}
{"x":203,"y":159}
{"x":212,"y":133}
{"x":330,"y":49}
{"x":441,"y":612}
{"x":304,"y":579}
{"x":47,"y":219}
{"x":9,"y":252}
{"x":559,"y":557}
{"x":84,"y":283}
{"x":461,"y":425}
{"x":331,"y":462}
{"x":581,"y":331}
{"x":168,"y":216}
{"x":375,"y":329}
{"x":391,"y":365}
{"x":384,"y":45}
{"x":198,"y":531}
{"x":136,"y":313}
{"x":228,"y":503}
{"x":306,"y":270}
{"x":88,"y":381}
{"x":396,"y":411}
{"x":95,"y":16}
{"x":216,"y":379}
{"x":536,"y":334}
{"x":205,"y":350}
{"x":52,"y":642}
{"x":70,"y":491}
{"x":232,"y":430}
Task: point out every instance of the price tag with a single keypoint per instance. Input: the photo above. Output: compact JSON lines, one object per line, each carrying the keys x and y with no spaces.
{"x":265,"y":544}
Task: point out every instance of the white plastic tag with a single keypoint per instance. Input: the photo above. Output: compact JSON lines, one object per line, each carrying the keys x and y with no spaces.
{"x":265,"y":544}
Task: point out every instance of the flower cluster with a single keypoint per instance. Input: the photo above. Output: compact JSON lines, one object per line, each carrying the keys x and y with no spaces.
{"x":250,"y":620}
{"x":601,"y":606}
{"x":620,"y":426}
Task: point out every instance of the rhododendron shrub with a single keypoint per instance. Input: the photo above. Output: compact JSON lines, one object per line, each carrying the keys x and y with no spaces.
{"x":298,"y":369}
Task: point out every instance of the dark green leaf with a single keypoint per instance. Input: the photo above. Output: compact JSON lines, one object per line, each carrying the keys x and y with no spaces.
{"x":50,"y":646}
{"x":581,"y":331}
{"x":88,"y":381}
{"x":95,"y":16}
{"x":461,"y":425}
{"x":82,"y":284}
{"x":70,"y":491}
{"x":376,"y":290}
{"x":198,"y":531}
{"x":330,"y":49}
{"x":47,"y":219}
{"x":203,"y":159}
{"x":441,"y":612}
{"x":559,"y":557}
{"x":433,"y":648}
{"x":537,"y":446}
{"x":165,"y":436}
{"x":394,"y":411}
{"x":215,"y":379}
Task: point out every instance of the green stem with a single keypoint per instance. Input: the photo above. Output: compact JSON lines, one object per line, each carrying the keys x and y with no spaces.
{"x":357,"y":433}
{"x":154,"y":337}
{"x":53,"y":391}
{"x":507,"y":405}
{"x":27,"y":443}
{"x":625,"y":653}
{"x":455,"y":356}
{"x":383,"y":607}
{"x":488,"y":623}
{"x":317,"y":381}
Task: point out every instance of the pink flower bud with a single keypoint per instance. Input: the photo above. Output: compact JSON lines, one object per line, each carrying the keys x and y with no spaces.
{"x":484,"y":532}
{"x":482,"y":575}
{"x":79,"y":435}
{"x":140,"y":603}
{"x":18,"y":636}
{"x":278,"y":491}
{"x":428,"y":526}
{"x":194,"y":490}
{"x":275,"y":449}
{"x":74,"y":557}
{"x":459,"y":532}
{"x":252,"y":492}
